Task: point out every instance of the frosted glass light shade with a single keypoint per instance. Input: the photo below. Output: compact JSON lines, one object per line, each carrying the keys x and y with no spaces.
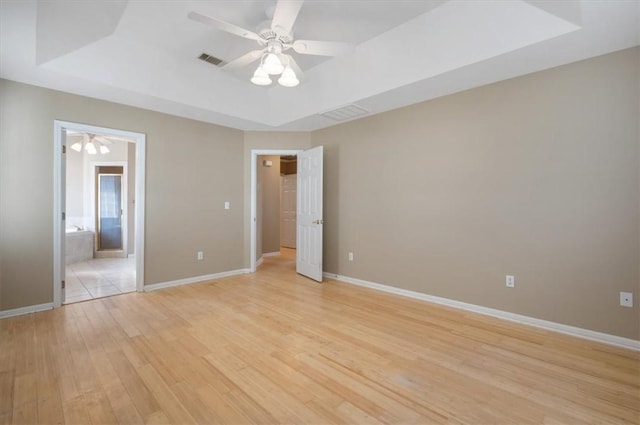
{"x":91,"y":148}
{"x":272,"y":64}
{"x":260,"y":77}
{"x":77,"y":146}
{"x":104,"y":149}
{"x":288,"y":78}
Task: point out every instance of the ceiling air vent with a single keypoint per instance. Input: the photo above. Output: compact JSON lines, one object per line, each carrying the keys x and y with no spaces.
{"x":211,"y":59}
{"x":345,"y":112}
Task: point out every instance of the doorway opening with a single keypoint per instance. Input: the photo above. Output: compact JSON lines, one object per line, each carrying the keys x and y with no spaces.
{"x":110,"y":210}
{"x":98,"y":212}
{"x":288,"y":192}
{"x":276,"y":208}
{"x":309,"y":208}
{"x":267,"y":177}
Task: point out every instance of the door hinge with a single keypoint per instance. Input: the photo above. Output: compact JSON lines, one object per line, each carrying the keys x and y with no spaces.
{"x":64,"y":148}
{"x":64,"y":216}
{"x":64,"y":284}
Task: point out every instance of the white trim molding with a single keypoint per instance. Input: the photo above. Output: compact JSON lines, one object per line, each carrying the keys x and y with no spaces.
{"x":619,"y":341}
{"x":26,"y":310}
{"x":195,"y":279}
{"x":266,"y":254}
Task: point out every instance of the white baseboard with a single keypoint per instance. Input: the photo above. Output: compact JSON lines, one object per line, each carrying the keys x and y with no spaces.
{"x":260,"y":260}
{"x":195,"y":279}
{"x":26,"y":310}
{"x":271,"y":254}
{"x":539,"y":323}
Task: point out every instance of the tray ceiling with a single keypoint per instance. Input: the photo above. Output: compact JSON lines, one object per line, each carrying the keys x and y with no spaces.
{"x":145,"y":54}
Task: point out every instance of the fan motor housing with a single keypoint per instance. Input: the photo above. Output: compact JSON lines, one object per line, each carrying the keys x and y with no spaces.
{"x":267,"y":33}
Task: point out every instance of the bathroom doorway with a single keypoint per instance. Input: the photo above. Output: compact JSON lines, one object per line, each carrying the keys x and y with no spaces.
{"x":98,"y":202}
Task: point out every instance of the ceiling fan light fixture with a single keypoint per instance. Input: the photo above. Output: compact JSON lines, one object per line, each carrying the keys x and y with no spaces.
{"x":288,"y":78}
{"x":77,"y":146}
{"x":104,"y":149}
{"x":272,"y":64}
{"x":90,"y":147}
{"x":261,"y":77}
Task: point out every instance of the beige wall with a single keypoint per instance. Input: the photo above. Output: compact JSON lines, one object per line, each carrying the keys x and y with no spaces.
{"x":536,"y":176}
{"x":191,"y":169}
{"x":269,"y":183}
{"x":289,"y":167}
{"x":75,"y":186}
{"x":265,"y":140}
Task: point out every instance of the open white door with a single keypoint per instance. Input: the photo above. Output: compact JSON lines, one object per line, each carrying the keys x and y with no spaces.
{"x":309,"y":214}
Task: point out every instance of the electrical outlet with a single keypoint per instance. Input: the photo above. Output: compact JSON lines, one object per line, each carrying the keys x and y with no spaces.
{"x":510,"y":281}
{"x":626,"y":299}
{"x":227,"y":205}
{"x":351,"y":256}
{"x":200,"y":255}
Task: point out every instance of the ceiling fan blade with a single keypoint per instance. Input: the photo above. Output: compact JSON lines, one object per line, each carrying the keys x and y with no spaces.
{"x":103,"y":140}
{"x":243,"y":60}
{"x":113,"y":138}
{"x":322,"y":48}
{"x":224,"y":26}
{"x":285,"y":15}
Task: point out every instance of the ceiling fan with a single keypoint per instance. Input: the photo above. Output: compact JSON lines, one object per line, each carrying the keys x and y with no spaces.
{"x":92,"y":143}
{"x":275,"y":37}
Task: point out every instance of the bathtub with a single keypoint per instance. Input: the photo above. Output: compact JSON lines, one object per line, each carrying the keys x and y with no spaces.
{"x":78,"y":245}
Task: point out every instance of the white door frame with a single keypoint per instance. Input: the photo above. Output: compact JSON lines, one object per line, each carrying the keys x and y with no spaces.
{"x":253,"y":215}
{"x":59,"y":180}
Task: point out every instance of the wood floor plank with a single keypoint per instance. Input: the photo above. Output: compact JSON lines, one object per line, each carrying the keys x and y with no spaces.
{"x":122,"y":405}
{"x":201,"y":411}
{"x":140,"y":395}
{"x":98,"y":407}
{"x":275,"y":347}
{"x":6,"y":394}
{"x":168,"y":402}
{"x":75,"y":411}
{"x":234,"y":407}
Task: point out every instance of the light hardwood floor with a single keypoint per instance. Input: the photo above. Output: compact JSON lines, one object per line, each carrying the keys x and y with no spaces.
{"x":273,"y":347}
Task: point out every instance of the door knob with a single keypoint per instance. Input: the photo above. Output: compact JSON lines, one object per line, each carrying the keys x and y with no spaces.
{"x":319,"y":221}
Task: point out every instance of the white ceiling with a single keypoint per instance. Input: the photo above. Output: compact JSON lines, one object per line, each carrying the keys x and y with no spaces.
{"x":144,"y":53}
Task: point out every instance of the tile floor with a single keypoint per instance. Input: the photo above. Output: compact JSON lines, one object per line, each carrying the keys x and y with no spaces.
{"x":99,"y":277}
